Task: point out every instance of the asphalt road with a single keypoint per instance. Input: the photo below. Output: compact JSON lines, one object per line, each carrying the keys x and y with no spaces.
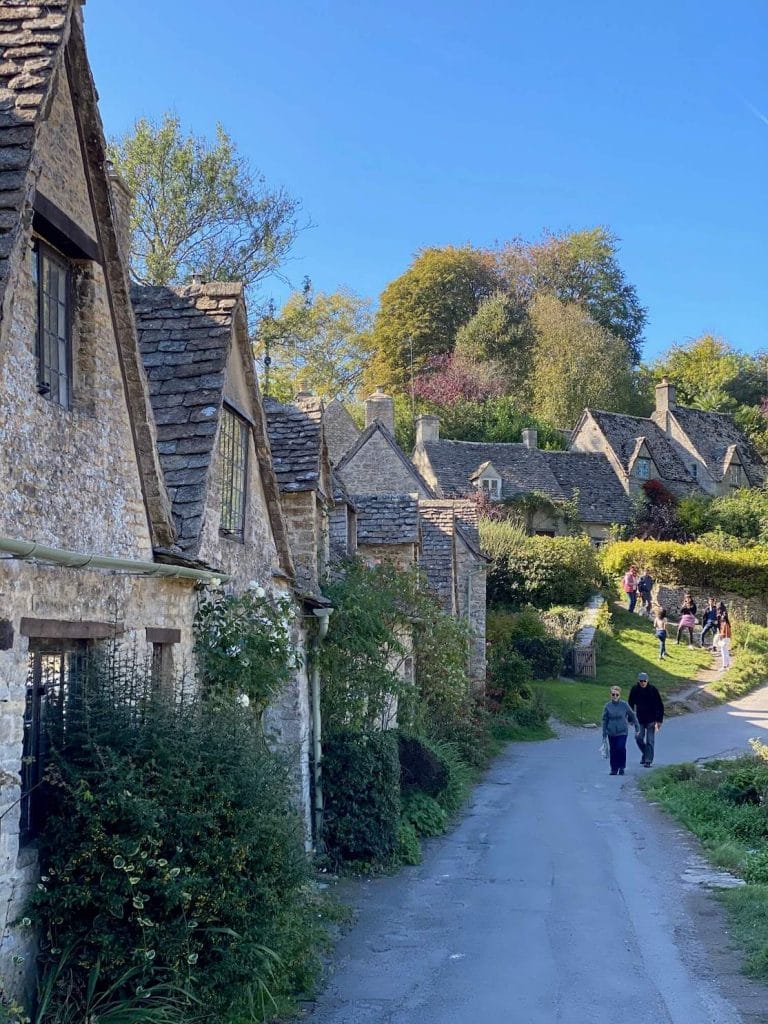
{"x":562,"y":897}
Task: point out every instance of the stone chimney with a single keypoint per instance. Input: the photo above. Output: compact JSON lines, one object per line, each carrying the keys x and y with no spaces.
{"x":382,"y":408}
{"x":530,"y":437}
{"x":122,"y":206}
{"x":666,"y":395}
{"x":427,"y":428}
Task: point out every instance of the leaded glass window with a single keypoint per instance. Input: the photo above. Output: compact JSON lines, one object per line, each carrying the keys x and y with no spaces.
{"x":53,"y":279}
{"x":233,"y":452}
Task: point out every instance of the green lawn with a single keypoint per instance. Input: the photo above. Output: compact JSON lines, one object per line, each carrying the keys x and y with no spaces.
{"x":631,"y":648}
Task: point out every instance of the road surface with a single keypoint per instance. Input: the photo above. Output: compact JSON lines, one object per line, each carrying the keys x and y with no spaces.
{"x":562,"y":897}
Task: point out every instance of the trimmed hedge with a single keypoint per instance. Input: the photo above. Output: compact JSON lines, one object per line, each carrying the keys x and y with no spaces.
{"x":693,"y":565}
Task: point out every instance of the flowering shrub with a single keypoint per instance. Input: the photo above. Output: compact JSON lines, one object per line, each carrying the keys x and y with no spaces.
{"x":243,"y":644}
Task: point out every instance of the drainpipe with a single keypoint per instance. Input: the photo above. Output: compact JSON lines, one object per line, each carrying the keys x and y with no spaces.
{"x":323,"y":615}
{"x":24,"y":549}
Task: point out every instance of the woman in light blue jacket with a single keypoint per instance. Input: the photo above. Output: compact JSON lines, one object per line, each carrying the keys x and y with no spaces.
{"x":617,"y":715}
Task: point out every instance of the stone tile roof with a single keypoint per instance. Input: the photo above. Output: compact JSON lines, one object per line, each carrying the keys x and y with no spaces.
{"x":296,"y":440}
{"x":522,"y":469}
{"x":623,"y":433}
{"x":601,"y":497}
{"x":341,"y":431}
{"x":387,"y":518}
{"x":185,"y":336}
{"x":32,"y":37}
{"x":714,"y":435}
{"x":438,"y":526}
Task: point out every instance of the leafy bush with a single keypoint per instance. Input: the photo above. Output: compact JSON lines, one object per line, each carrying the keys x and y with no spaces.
{"x":421,"y":767}
{"x":171,"y":854}
{"x":408,"y":844}
{"x":426,"y":815}
{"x":743,"y":572}
{"x":361,"y":775}
{"x":509,"y":679}
{"x":756,"y":868}
{"x":543,"y":653}
{"x":525,"y":634}
{"x":540,"y":571}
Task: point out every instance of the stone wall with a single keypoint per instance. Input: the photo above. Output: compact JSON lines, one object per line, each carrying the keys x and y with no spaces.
{"x":401,"y":556}
{"x":299,"y":513}
{"x":740,"y":609}
{"x":378,"y":469}
{"x":470,"y":584}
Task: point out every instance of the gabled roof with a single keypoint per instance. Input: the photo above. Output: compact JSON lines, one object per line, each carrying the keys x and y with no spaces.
{"x":601,"y":497}
{"x":623,"y":433}
{"x":186,"y":335}
{"x":484,"y":467}
{"x":713,"y":435}
{"x":387,"y":518}
{"x":41,"y":45}
{"x":296,"y":440}
{"x":522,"y":469}
{"x":377,"y":427}
{"x":341,"y":431}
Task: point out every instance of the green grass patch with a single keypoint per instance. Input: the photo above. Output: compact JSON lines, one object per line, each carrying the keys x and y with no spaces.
{"x":723,"y":803}
{"x":505,"y":730}
{"x":625,"y":647}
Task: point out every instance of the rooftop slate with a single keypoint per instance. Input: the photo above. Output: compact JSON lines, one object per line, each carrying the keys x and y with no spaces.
{"x":623,"y":433}
{"x":714,"y":434}
{"x":341,"y":431}
{"x":601,"y":497}
{"x":296,"y":439}
{"x":185,"y":336}
{"x":387,"y":518}
{"x":522,"y":469}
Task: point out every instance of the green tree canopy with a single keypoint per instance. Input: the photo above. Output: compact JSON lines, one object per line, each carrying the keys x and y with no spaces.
{"x":500,"y":331}
{"x":199,"y":208}
{"x":317,"y":342}
{"x":424,"y":308}
{"x":579,"y":268}
{"x":576,"y":363}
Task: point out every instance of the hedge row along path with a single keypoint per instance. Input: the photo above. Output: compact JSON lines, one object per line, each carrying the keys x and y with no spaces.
{"x":561,"y":897}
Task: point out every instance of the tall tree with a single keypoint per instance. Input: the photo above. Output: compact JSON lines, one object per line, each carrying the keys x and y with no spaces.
{"x":499,"y":332}
{"x":705,"y":372}
{"x":421,"y":311}
{"x":199,"y":208}
{"x":317,"y":342}
{"x":579,"y":268}
{"x":576,"y":363}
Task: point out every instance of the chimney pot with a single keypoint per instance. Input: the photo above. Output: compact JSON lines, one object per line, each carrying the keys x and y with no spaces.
{"x":381,"y":407}
{"x":666,"y":396}
{"x":530,"y":437}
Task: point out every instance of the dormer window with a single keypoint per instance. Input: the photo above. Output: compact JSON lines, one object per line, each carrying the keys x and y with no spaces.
{"x":643,"y":469}
{"x":52,"y":275}
{"x":233,"y":452}
{"x":736,"y":475}
{"x":695,"y":470}
{"x":491,"y":486}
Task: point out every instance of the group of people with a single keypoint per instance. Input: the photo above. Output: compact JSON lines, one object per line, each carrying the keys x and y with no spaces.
{"x":643,"y":709}
{"x":714,"y":620}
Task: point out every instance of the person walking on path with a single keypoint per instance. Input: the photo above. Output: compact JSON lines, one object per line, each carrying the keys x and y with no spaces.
{"x":644,"y":589}
{"x":645,"y":700}
{"x":660,"y":626}
{"x":725,"y":640}
{"x":709,"y":623}
{"x":629,"y":586}
{"x":687,"y":619}
{"x":616,"y":716}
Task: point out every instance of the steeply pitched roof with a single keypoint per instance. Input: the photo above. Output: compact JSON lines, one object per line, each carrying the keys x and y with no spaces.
{"x":387,"y":518}
{"x":713,"y":434}
{"x":341,"y":431}
{"x":438,"y":527}
{"x":296,"y":440}
{"x":623,"y":433}
{"x":377,"y":427}
{"x":522,"y":469}
{"x":32,"y":38}
{"x":185,"y":336}
{"x":601,"y":497}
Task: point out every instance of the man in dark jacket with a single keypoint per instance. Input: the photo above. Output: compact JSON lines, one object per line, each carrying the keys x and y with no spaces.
{"x":645,"y":700}
{"x":645,"y":590}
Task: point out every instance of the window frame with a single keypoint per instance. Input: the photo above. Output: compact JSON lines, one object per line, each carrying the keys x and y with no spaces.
{"x":43,"y":252}
{"x":736,"y":475}
{"x":645,"y":462}
{"x":493,"y":488}
{"x":233,"y":514}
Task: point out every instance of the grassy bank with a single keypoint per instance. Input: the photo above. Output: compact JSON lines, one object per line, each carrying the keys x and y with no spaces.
{"x":628,"y":647}
{"x":723,"y":803}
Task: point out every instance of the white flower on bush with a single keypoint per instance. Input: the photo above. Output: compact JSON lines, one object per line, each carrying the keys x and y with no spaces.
{"x":243,"y":700}
{"x":260,"y":592}
{"x":234,"y":650}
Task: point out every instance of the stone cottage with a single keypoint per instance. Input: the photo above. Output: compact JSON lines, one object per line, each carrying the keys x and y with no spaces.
{"x":107,"y":522}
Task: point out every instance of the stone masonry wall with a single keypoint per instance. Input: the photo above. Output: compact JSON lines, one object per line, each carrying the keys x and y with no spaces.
{"x":471,"y":581}
{"x":377,"y":469}
{"x":299,"y":513}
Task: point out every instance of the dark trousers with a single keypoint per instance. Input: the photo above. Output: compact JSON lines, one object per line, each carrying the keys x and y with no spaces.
{"x":690,"y":633}
{"x":632,"y":598}
{"x":711,"y":627}
{"x":645,"y":600}
{"x":617,"y":746}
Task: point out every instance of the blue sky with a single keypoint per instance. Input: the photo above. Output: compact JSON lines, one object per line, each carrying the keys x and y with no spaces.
{"x":401,"y":125}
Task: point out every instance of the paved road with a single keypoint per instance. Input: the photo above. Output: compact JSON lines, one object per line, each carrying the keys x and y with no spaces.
{"x":561,"y":898}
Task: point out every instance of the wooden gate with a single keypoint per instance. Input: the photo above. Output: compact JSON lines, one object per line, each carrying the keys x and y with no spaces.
{"x":585,"y":662}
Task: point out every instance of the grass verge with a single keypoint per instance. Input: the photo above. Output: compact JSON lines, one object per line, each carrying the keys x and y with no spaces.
{"x":723,"y":804}
{"x":625,"y":648}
